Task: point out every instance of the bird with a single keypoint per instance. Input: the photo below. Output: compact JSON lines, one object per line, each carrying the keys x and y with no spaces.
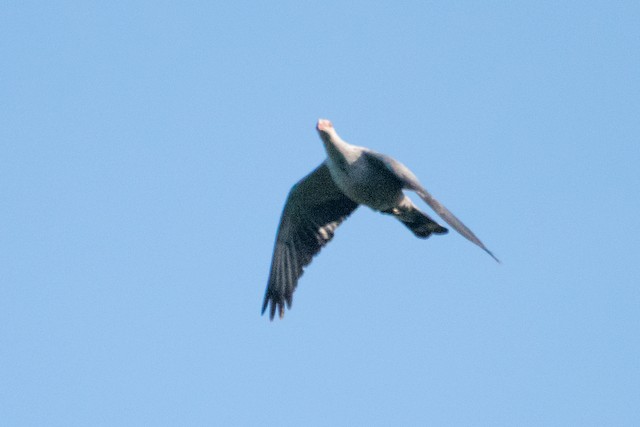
{"x":316,"y":205}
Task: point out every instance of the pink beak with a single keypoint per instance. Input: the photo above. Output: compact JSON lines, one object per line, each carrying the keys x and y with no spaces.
{"x":324,"y":125}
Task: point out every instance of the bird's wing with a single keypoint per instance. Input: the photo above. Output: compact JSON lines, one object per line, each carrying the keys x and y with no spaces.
{"x":314,"y":209}
{"x":410,"y":182}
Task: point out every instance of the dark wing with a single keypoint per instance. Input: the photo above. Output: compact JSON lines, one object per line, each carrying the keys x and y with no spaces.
{"x":314,"y":209}
{"x":410,"y":182}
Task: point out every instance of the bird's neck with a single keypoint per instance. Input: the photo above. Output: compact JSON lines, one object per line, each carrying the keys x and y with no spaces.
{"x":339,"y":151}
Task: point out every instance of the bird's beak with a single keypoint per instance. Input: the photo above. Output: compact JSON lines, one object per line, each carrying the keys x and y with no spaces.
{"x":324,"y":125}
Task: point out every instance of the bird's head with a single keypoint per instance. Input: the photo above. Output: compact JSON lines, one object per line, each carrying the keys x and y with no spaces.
{"x":325,"y":129}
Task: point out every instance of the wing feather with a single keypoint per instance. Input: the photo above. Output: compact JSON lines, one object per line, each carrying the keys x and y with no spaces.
{"x":410,"y":182}
{"x":314,"y":209}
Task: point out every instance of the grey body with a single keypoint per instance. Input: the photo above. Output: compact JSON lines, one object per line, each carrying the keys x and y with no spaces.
{"x":364,"y":181}
{"x":317,"y":204}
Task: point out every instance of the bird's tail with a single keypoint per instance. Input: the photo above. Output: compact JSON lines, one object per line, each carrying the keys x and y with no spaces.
{"x":421,"y":225}
{"x":417,"y":221}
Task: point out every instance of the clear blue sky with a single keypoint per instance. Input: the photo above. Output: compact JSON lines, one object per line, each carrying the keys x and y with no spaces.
{"x":147,"y":149}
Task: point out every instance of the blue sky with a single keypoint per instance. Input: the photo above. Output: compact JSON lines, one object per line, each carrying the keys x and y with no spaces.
{"x":147,"y":149}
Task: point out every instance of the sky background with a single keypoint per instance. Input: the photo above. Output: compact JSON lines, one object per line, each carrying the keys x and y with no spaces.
{"x":146,"y":151}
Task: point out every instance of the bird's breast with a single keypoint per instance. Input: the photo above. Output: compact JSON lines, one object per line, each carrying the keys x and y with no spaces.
{"x":364,"y":186}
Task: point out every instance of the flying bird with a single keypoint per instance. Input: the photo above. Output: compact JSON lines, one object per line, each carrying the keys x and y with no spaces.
{"x":350,"y":176}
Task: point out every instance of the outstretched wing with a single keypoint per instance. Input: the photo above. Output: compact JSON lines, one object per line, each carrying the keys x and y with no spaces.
{"x":314,"y":209}
{"x":410,"y":182}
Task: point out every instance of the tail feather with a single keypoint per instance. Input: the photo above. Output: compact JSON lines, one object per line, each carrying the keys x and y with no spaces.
{"x":422,"y":226}
{"x":417,"y":221}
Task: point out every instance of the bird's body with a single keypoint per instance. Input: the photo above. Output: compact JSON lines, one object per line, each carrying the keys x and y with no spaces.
{"x":362,"y":182}
{"x":317,"y":204}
